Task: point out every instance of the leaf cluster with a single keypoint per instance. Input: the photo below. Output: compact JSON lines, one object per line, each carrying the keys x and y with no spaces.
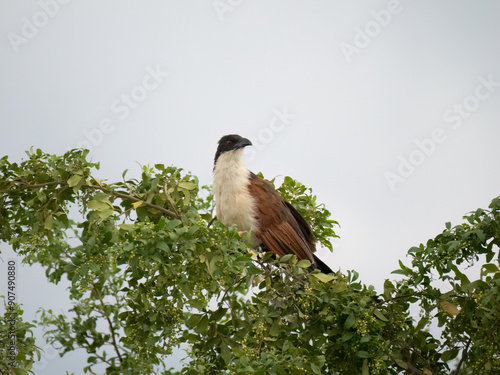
{"x":147,"y":262}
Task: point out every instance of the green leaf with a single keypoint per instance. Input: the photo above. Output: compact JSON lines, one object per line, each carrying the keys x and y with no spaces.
{"x":480,"y":235}
{"x":286,"y":258}
{"x":103,"y":214}
{"x":94,"y":267}
{"x":161,"y":223}
{"x":388,"y":288}
{"x":162,"y":245}
{"x":323,"y":277}
{"x":347,"y":336}
{"x":399,"y":272}
{"x":187,"y":185}
{"x":142,"y":213}
{"x":237,"y":352}
{"x":225,"y":352}
{"x":364,"y":339}
{"x":98,"y":205}
{"x":351,"y":319}
{"x":252,"y":270}
{"x":365,"y":370}
{"x":275,"y":328}
{"x":363,"y":354}
{"x":212,"y":267}
{"x":490,"y":268}
{"x":171,"y":224}
{"x":415,"y":250}
{"x":315,"y":368}
{"x":74,"y":180}
{"x":49,"y":220}
{"x":304,"y":263}
{"x":403,"y":268}
{"x":187,"y":196}
{"x":401,"y":363}
{"x":63,"y":218}
{"x":126,"y":226}
{"x":202,"y":325}
{"x":70,"y":267}
{"x":339,"y":287}
{"x":197,"y":304}
{"x":193,"y":320}
{"x":461,"y":276}
{"x":449,"y":354}
{"x":380,"y":316}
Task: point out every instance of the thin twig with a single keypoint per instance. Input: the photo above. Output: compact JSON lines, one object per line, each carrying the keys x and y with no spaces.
{"x":464,"y":356}
{"x":211,"y":221}
{"x":111,"y":328}
{"x":238,"y":283}
{"x":412,"y":369}
{"x":102,"y":358}
{"x":169,"y":198}
{"x":132,"y":198}
{"x":106,"y":190}
{"x":35,"y":185}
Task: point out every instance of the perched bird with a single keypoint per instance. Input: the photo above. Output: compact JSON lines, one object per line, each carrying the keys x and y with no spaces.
{"x":244,"y":199}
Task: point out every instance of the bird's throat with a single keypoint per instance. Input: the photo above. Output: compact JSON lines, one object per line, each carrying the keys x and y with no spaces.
{"x":233,"y":201}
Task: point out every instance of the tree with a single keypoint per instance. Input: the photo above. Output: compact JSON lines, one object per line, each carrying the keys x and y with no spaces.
{"x":145,"y":258}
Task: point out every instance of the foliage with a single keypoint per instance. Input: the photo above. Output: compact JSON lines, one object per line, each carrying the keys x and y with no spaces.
{"x":145,"y":260}
{"x":16,"y":335}
{"x":469,"y":313}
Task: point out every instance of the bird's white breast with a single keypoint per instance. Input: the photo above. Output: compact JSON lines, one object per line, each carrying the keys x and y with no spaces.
{"x":233,"y":202}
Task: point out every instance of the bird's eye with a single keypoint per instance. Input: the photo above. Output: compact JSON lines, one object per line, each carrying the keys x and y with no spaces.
{"x":229,"y":143}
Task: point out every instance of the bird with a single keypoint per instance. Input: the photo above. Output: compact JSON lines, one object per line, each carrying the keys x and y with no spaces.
{"x":253,"y":205}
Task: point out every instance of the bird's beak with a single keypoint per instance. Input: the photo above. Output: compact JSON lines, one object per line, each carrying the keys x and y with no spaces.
{"x":243,"y":142}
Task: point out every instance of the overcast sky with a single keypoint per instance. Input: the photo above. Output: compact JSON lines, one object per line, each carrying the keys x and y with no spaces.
{"x":389,"y":110}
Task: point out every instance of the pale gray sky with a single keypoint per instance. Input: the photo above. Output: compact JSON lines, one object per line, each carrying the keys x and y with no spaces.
{"x":389,"y":110}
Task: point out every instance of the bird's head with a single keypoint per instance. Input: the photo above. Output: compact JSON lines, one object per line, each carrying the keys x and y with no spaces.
{"x":231,"y":143}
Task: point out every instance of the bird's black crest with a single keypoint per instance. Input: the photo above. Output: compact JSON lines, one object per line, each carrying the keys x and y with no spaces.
{"x":231,"y":142}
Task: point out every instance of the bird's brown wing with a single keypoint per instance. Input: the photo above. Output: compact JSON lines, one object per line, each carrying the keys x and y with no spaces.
{"x":280,"y":227}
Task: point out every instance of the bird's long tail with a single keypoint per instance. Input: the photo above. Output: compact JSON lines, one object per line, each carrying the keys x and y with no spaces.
{"x":321,"y":265}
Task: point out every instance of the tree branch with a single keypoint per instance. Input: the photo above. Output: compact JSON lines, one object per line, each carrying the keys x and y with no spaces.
{"x":111,"y":328}
{"x":234,"y":286}
{"x":132,"y":198}
{"x":106,"y":190}
{"x":412,"y":370}
{"x":464,"y":356}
